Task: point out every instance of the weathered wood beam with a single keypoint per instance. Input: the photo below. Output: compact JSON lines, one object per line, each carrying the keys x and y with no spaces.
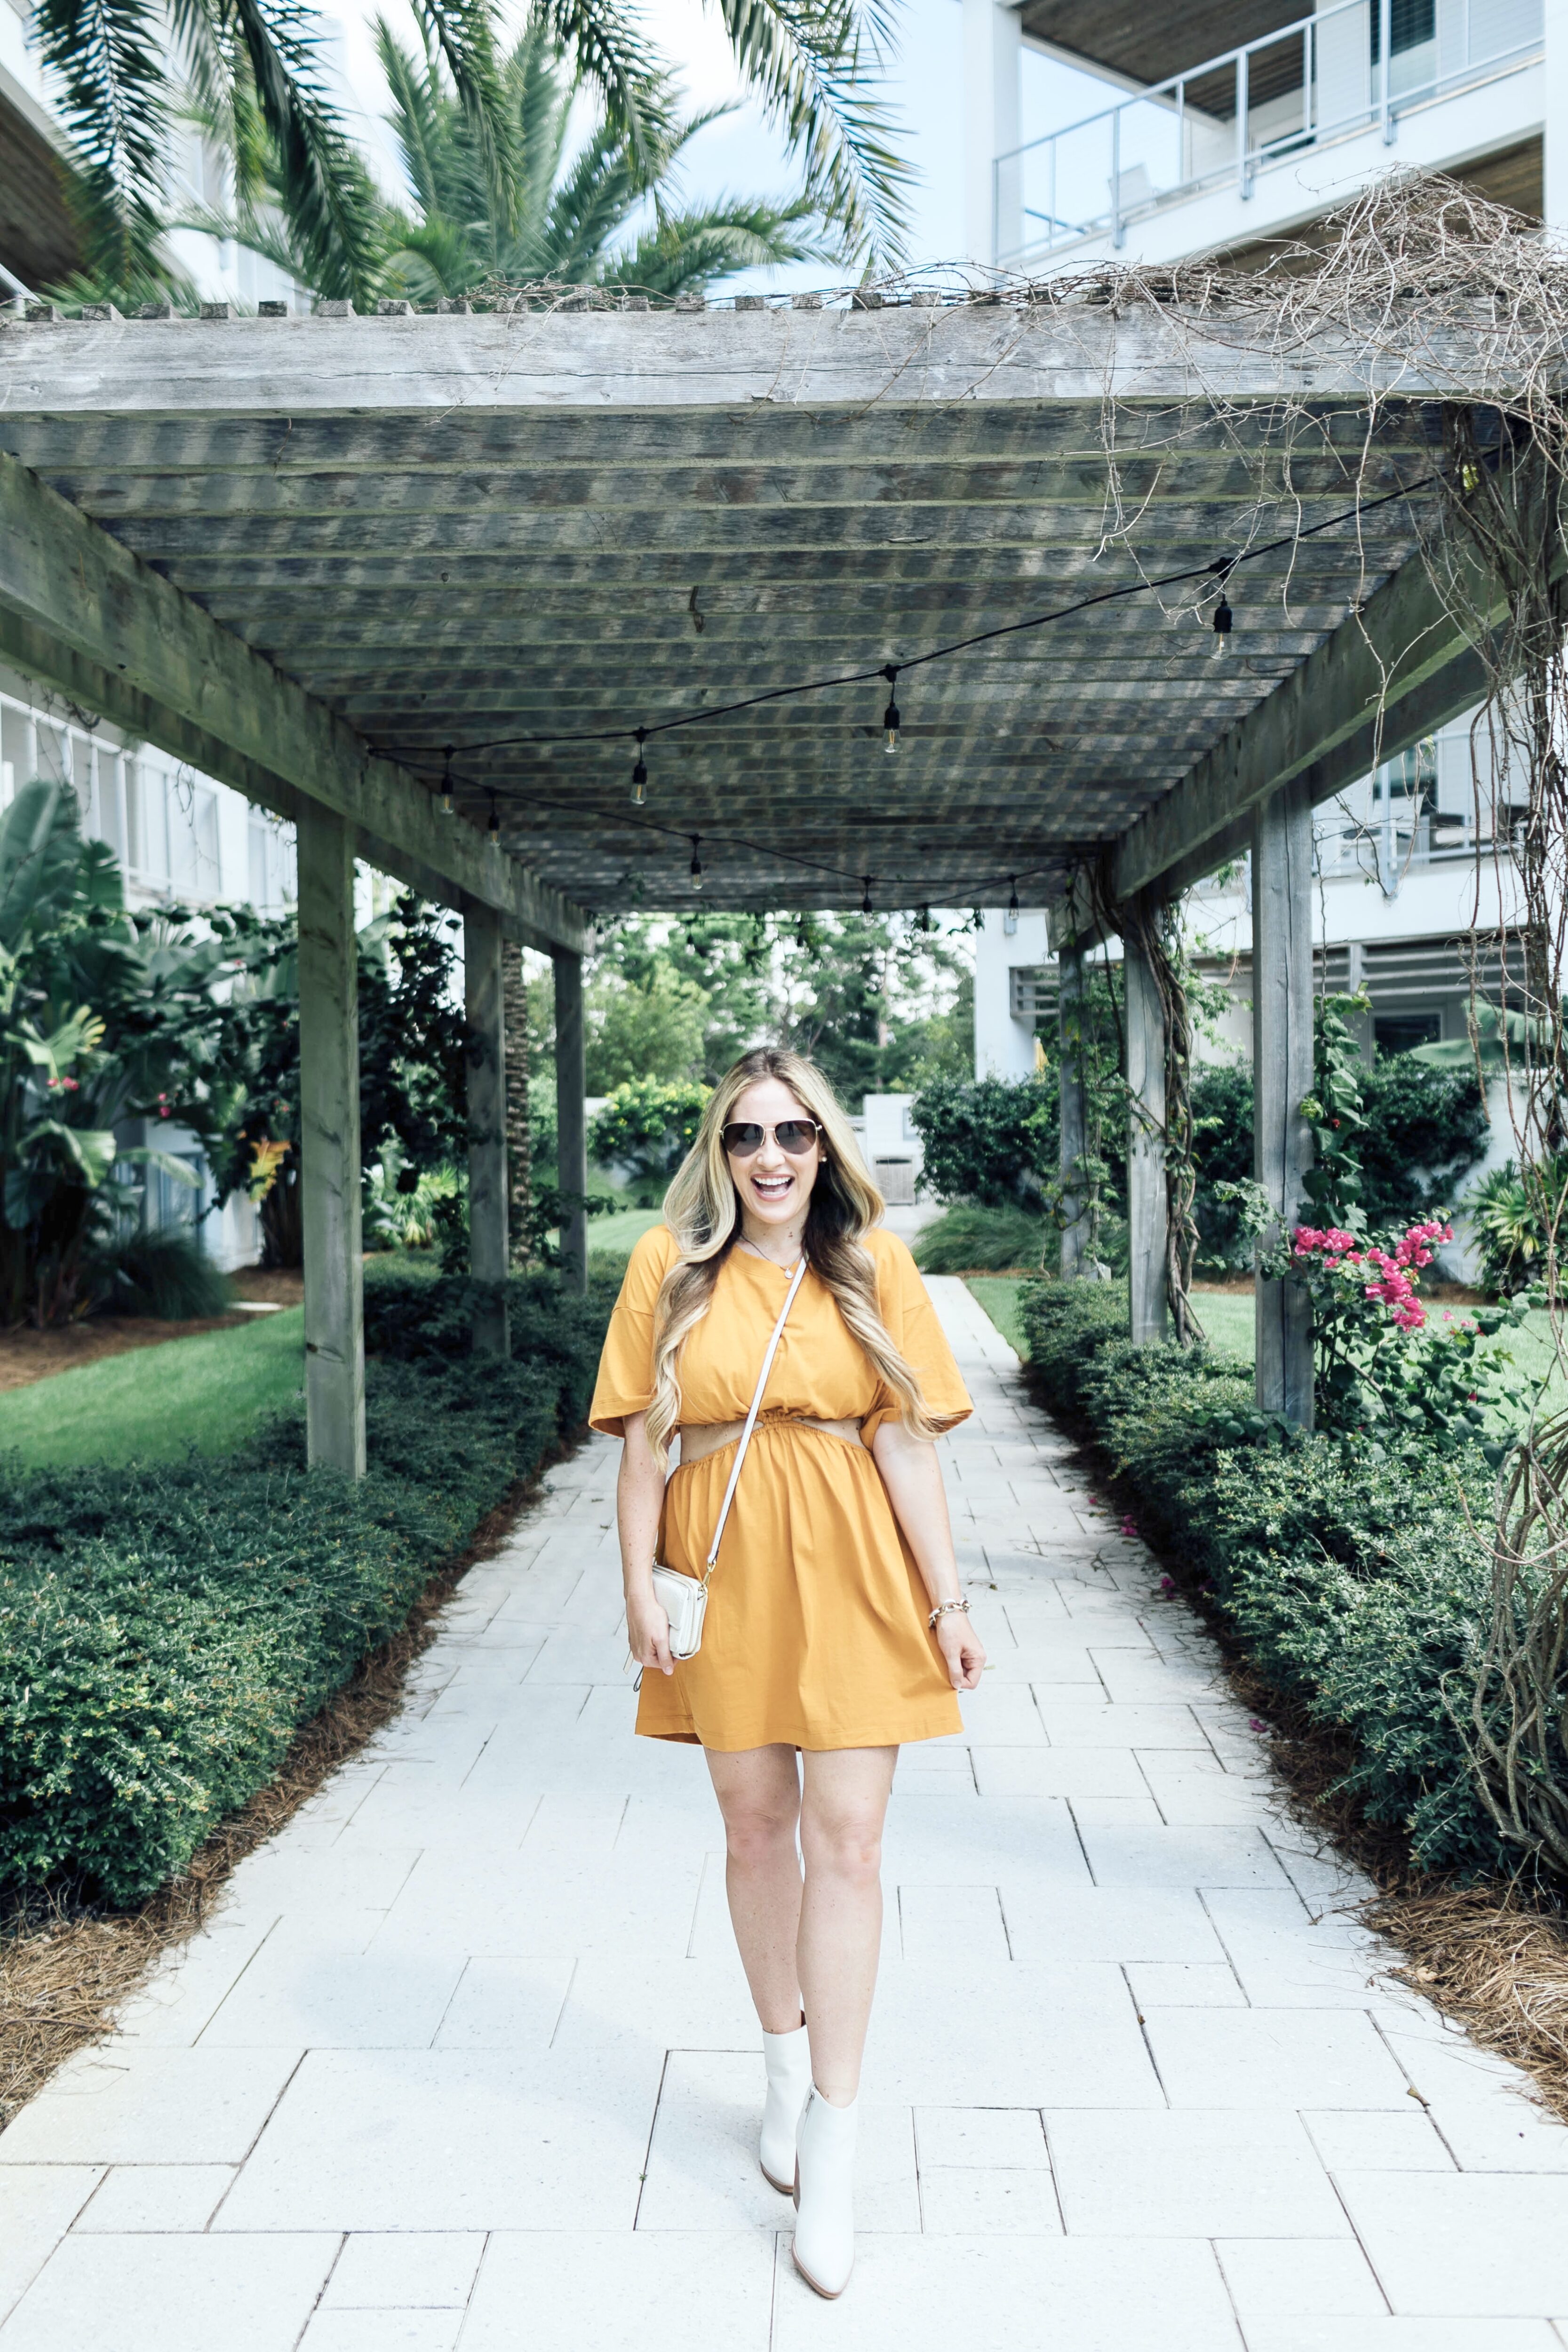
{"x":489,"y":1245}
{"x":1282,"y":1078}
{"x":1389,"y":674}
{"x":571,"y":1126}
{"x":330,"y":1173}
{"x":72,"y":600}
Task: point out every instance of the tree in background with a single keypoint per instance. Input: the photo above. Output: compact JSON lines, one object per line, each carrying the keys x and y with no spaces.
{"x":879,"y":1002}
{"x":251,"y":70}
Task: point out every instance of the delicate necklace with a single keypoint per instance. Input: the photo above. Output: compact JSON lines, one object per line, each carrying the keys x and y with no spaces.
{"x":747,"y":1243}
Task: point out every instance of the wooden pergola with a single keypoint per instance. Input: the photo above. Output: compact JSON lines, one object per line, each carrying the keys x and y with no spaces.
{"x":343,"y":562}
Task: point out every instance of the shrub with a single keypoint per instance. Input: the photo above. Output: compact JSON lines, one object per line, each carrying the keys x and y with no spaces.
{"x":648,"y":1128}
{"x":164,"y":1632}
{"x":967,"y":1237}
{"x":1348,"y":1582}
{"x":993,"y":1140}
{"x":167,"y":1275}
{"x":1423,"y":1130}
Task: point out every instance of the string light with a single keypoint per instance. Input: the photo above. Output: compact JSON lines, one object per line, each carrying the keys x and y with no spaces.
{"x":866,"y":896}
{"x":925,"y":919}
{"x":800,"y":938}
{"x":1222,"y":618}
{"x":891,"y":716}
{"x":493,"y":828}
{"x":1010,"y":919}
{"x":695,"y":862}
{"x":446,"y":802}
{"x":639,"y":773}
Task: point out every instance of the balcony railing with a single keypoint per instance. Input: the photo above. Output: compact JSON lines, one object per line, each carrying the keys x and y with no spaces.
{"x":1351,"y":67}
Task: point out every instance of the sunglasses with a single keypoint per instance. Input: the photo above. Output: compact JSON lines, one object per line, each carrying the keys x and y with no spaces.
{"x":743,"y":1138}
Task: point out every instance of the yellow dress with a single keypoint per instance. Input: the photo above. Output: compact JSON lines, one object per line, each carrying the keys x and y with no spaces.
{"x":816,"y":1634}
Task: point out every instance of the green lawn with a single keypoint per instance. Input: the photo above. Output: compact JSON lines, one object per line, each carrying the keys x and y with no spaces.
{"x":998,"y":1293}
{"x":152,"y":1403}
{"x":1227,"y":1319}
{"x":612,"y":1236}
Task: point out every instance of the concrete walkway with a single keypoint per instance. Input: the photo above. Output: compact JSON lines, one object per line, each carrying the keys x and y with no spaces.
{"x":467,"y":2059}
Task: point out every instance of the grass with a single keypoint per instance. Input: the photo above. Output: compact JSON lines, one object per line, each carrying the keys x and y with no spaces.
{"x":998,"y":1293}
{"x":1226,"y":1316}
{"x":612,"y":1236}
{"x":153,"y":1404}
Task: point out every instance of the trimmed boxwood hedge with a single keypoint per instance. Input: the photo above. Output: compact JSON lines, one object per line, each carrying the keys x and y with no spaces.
{"x":165,"y":1630}
{"x":1355,"y":1585}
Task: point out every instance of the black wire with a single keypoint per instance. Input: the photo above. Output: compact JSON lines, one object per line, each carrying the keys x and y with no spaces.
{"x":964,"y":886}
{"x":1223,"y":569}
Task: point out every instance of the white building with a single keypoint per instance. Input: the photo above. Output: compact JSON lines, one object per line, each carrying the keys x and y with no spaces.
{"x":1155,"y":135}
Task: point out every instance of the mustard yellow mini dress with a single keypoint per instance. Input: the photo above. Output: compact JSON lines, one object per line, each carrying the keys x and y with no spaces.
{"x":816,"y":1634}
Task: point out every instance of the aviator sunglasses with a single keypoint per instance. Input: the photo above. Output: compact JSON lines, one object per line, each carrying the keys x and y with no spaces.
{"x":744,"y":1136}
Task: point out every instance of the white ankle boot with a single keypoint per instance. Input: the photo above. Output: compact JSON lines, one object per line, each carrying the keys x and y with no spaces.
{"x":825,"y":2195}
{"x":788,"y":2057}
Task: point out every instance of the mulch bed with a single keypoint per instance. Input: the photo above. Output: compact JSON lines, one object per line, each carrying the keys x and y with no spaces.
{"x":65,"y":1969}
{"x":27,"y":1356}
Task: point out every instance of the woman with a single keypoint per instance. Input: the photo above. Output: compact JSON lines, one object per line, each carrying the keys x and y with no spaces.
{"x":835,"y":1626}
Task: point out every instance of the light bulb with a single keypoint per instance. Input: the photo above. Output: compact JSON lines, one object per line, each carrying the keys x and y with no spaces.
{"x":890,"y":721}
{"x":493,"y":828}
{"x":1010,"y":919}
{"x":1223,"y":617}
{"x":639,"y":773}
{"x":446,"y":783}
{"x":696,"y":868}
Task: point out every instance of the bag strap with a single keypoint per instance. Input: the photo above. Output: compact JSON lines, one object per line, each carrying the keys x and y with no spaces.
{"x":796,"y":1282}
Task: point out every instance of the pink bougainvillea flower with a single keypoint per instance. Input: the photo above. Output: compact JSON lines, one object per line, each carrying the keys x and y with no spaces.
{"x":1167,"y":1584}
{"x":1256,"y":1723}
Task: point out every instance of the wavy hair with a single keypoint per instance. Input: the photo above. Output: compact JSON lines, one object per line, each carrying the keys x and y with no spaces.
{"x":701,"y":1209}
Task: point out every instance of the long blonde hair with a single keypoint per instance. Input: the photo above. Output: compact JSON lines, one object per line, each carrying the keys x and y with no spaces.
{"x":701,"y":1209}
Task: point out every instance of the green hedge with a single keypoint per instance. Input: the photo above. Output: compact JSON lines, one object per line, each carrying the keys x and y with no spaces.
{"x":165,"y":1630}
{"x":1353,"y":1585}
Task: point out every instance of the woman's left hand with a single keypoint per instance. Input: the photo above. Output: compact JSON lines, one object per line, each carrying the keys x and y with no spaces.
{"x":961,"y":1648}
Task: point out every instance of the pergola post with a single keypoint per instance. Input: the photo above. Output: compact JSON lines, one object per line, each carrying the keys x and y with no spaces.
{"x":1281,"y":1078}
{"x":489,"y":1239}
{"x":572,"y":1145}
{"x":330,"y":1144}
{"x":1147,"y":1197}
{"x":1074,"y":1117}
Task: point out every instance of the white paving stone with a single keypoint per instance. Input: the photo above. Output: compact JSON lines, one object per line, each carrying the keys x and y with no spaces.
{"x":467,"y":2058}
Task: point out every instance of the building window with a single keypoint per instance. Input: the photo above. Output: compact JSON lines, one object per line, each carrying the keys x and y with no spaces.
{"x":1401,"y":1033}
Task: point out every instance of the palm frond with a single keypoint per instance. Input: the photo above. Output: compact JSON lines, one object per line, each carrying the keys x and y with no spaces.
{"x":415,"y":115}
{"x":611,"y":52}
{"x":809,"y":60}
{"x":686,"y":252}
{"x":324,"y":187}
{"x":462,"y":31}
{"x":109,"y":56}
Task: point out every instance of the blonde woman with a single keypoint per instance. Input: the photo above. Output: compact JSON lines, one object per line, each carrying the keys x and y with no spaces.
{"x":836,"y":1627}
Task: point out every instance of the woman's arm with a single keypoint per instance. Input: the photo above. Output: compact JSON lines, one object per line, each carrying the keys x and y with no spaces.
{"x":913,"y":1477}
{"x":639,"y":1497}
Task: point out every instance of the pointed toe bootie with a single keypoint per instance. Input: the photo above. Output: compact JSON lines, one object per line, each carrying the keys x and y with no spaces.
{"x":788,"y":2057}
{"x":825,"y":2195}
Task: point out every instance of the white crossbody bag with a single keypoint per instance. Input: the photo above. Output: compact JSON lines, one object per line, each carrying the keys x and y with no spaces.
{"x":684,"y":1598}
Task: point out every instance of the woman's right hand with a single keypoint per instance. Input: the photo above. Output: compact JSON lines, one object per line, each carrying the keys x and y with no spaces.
{"x":647,"y":1631}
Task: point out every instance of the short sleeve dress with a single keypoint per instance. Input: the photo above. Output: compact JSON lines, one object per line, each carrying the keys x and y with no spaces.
{"x":815,"y":1635}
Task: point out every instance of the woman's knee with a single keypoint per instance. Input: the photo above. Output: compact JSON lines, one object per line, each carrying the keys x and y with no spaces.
{"x":756,"y":1835}
{"x":846,"y":1845}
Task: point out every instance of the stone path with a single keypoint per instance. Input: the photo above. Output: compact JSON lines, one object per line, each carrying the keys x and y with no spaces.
{"x":467,"y":2061}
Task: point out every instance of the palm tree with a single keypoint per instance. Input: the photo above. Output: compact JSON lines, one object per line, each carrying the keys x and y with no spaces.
{"x":251,"y":69}
{"x":562,"y":218}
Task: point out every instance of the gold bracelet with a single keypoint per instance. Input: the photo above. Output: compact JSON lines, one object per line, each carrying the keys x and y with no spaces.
{"x":941,"y":1609}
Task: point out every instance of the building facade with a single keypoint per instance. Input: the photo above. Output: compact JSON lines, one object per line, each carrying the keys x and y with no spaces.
{"x":1197,"y":130}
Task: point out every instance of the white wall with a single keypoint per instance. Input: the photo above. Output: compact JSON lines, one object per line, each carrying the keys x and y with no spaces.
{"x":1004,"y":1047}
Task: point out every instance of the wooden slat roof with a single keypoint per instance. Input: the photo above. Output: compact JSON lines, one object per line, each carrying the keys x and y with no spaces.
{"x":459,"y":529}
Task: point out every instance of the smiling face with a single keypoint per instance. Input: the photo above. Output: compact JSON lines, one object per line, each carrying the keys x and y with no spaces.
{"x":774,"y":1186}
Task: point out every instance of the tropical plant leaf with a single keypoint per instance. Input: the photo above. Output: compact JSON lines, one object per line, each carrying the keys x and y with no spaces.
{"x":462,"y":31}
{"x":324,"y":187}
{"x":109,"y":59}
{"x":614,"y":54}
{"x":809,"y":62}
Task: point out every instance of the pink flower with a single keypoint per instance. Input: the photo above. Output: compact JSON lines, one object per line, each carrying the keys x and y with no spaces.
{"x":1128,"y":1528}
{"x":1256,"y":1723}
{"x":1167,"y":1584}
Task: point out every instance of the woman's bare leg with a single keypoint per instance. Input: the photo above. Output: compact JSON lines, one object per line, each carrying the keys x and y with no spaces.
{"x":846,"y":1802}
{"x":758,"y":1791}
